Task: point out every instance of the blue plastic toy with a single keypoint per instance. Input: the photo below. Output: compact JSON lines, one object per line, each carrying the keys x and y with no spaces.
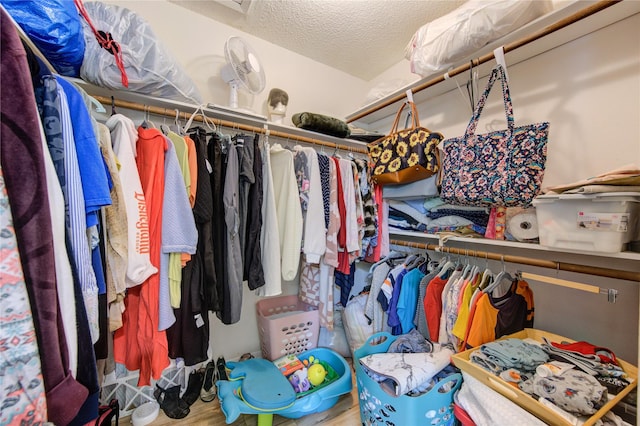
{"x":256,"y":386}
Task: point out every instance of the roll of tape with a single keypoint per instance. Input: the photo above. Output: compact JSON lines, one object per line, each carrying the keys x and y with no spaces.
{"x":523,"y":226}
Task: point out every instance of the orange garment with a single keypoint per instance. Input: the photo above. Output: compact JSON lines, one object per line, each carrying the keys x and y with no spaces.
{"x":193,"y":172}
{"x":498,"y":316}
{"x":483,"y":324}
{"x":523,"y":289}
{"x":472,"y":312}
{"x":138,"y":344}
{"x":193,"y":169}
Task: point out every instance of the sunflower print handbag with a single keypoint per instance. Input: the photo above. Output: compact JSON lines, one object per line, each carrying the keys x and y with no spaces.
{"x":405,"y":156}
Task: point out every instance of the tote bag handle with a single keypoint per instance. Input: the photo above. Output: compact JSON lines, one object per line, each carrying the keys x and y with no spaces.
{"x":415,"y":121}
{"x":497,"y":73}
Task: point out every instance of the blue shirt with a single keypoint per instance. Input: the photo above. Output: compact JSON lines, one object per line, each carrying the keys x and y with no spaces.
{"x":408,"y":299}
{"x":95,"y":184}
{"x":393,"y":320}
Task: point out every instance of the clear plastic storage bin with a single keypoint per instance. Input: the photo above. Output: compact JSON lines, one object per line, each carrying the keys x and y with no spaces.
{"x":603,"y":222}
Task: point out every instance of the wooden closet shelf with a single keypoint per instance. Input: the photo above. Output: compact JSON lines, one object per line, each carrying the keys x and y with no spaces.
{"x":169,"y":109}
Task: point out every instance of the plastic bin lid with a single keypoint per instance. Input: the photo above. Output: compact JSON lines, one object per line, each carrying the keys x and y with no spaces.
{"x":600,"y":196}
{"x":263,"y":386}
{"x":145,"y":414}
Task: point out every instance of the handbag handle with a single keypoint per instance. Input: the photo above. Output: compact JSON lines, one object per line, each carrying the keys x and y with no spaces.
{"x":415,"y":121}
{"x":497,"y":73}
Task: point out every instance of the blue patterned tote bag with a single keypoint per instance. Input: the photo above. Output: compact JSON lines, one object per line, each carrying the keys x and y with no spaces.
{"x":500,"y":168}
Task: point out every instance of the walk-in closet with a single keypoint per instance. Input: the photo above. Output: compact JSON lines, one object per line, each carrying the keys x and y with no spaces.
{"x":300,"y":212}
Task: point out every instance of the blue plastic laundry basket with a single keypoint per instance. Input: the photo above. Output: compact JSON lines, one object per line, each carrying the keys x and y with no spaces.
{"x":377,"y":407}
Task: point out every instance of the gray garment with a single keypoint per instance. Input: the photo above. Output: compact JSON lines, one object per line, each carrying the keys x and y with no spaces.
{"x":244,"y":150}
{"x":515,"y":353}
{"x":230,"y":199}
{"x":301,"y":166}
{"x":373,"y":310}
{"x":412,"y":341}
{"x":573,"y":390}
{"x":420,"y":319}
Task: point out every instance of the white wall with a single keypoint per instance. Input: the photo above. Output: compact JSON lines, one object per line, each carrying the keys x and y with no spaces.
{"x":197,"y":43}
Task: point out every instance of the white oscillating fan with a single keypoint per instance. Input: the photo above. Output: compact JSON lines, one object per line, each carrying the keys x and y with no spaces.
{"x":242,"y":70}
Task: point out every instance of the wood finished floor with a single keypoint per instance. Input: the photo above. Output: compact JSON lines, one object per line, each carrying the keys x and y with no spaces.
{"x":346,"y":412}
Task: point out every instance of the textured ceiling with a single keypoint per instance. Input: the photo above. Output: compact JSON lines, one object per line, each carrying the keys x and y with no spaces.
{"x":360,"y":37}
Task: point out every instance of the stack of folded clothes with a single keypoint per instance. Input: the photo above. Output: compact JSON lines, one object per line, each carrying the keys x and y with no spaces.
{"x":432,"y":215}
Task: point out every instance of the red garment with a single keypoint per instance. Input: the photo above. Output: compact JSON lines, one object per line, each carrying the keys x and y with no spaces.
{"x":343,"y":254}
{"x":586,"y":348}
{"x":433,"y":306}
{"x":138,"y":344}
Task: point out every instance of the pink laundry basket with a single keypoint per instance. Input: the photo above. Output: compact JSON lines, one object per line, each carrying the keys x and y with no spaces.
{"x":286,"y":326}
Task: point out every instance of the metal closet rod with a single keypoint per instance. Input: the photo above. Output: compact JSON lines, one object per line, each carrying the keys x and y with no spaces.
{"x":571,"y":19}
{"x":570,"y":267}
{"x":171,"y":113}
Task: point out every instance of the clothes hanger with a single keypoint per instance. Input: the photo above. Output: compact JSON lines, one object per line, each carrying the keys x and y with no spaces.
{"x":113,"y":106}
{"x":336,"y":154}
{"x":487,"y":275}
{"x":466,"y":271}
{"x":416,"y":262}
{"x":175,"y":127}
{"x":99,"y":107}
{"x":472,"y":85}
{"x":444,"y":270}
{"x":164,"y":128}
{"x":147,"y":123}
{"x":208,"y":122}
{"x":464,"y":97}
{"x":499,"y":282}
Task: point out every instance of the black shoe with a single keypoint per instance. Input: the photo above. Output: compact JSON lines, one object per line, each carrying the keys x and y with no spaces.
{"x":193,"y":387}
{"x":209,"y":392}
{"x":171,"y":403}
{"x":221,"y":368}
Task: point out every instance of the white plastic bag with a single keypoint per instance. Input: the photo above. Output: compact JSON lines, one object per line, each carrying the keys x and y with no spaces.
{"x":335,"y":339}
{"x":451,"y":38}
{"x":150,"y":68}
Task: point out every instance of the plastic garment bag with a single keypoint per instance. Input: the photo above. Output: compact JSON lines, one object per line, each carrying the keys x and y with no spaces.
{"x":150,"y":69}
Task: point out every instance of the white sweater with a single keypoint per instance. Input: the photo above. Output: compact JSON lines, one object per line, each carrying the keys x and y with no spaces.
{"x":349,"y":193}
{"x":269,"y":234}
{"x":124,"y":138}
{"x":288,"y":210}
